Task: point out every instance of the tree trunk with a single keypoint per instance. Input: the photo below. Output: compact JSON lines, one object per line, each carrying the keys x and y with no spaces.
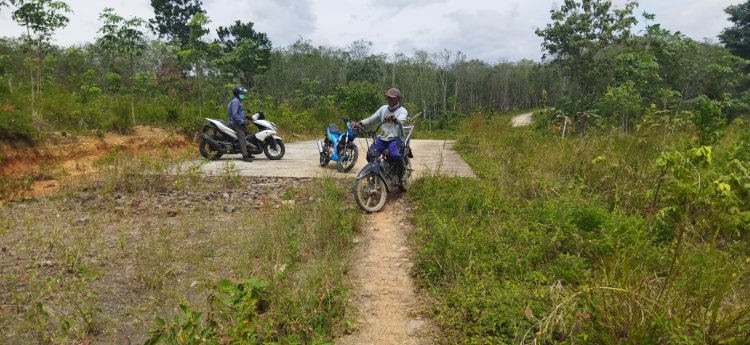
{"x":132,"y":101}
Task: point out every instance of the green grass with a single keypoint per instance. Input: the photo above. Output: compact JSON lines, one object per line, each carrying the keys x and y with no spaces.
{"x":594,"y":239}
{"x":104,"y":261}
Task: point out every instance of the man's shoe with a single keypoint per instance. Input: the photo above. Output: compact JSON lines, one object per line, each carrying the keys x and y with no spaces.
{"x":403,"y":174}
{"x":248,"y":158}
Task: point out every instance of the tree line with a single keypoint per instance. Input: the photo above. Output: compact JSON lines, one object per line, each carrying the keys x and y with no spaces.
{"x":596,"y":70}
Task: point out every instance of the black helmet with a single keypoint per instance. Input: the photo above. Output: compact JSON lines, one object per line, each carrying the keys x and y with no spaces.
{"x":239,"y":90}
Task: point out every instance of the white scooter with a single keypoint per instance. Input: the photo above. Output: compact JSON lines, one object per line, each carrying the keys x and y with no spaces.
{"x":217,"y":139}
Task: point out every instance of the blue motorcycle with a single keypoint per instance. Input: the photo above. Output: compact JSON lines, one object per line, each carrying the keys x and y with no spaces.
{"x":382,"y":175}
{"x":339,"y":146}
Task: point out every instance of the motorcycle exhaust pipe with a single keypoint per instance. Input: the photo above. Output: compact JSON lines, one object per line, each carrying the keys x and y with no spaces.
{"x":211,"y":142}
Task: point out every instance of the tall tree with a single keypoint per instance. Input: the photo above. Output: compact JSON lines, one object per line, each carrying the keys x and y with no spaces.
{"x":196,"y":51}
{"x":737,"y":37}
{"x":121,"y":37}
{"x":172,"y":17}
{"x":110,"y":40}
{"x":40,"y":18}
{"x":244,"y":52}
{"x":445,"y":65}
{"x":578,"y":39}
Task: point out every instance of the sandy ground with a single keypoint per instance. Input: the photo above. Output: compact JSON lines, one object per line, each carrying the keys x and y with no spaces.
{"x":389,"y":308}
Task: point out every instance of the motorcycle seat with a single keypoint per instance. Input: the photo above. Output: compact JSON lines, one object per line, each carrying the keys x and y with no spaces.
{"x":334,"y":129}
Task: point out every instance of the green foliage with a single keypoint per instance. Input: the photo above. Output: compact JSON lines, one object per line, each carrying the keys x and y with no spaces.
{"x":171,"y":19}
{"x":16,"y":125}
{"x":708,"y":118}
{"x":187,"y":328}
{"x":735,"y":38}
{"x":238,"y":307}
{"x":359,"y":99}
{"x":580,"y":35}
{"x":601,"y":239}
{"x":244,"y":52}
{"x":621,"y":102}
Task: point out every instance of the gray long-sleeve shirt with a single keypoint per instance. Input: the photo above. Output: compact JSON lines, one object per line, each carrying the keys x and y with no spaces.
{"x":389,"y":130}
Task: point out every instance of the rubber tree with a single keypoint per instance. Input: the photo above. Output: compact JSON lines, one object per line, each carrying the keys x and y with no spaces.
{"x":41,"y":18}
{"x":109,"y":40}
{"x":132,"y":44}
{"x":122,"y":37}
{"x":196,"y":51}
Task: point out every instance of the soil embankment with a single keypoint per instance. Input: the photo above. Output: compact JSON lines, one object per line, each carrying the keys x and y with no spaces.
{"x":63,"y":157}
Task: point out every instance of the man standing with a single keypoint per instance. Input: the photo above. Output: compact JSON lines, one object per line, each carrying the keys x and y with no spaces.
{"x":236,"y":114}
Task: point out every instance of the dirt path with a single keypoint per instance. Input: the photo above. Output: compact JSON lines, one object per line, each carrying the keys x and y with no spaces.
{"x":521,"y":120}
{"x":388,"y":306}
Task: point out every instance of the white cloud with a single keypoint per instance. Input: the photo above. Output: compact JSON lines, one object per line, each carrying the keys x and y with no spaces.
{"x":488,"y":30}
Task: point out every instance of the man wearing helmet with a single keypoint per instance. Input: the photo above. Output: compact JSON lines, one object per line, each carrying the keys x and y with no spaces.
{"x":236,"y":114}
{"x":392,"y":116}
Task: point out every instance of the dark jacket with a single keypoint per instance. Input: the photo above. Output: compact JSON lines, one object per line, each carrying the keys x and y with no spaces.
{"x":236,"y":112}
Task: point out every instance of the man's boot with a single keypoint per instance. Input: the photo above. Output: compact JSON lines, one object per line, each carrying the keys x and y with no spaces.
{"x":248,"y":158}
{"x":403,"y":173}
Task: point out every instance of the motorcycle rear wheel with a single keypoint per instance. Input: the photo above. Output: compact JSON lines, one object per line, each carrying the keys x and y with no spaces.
{"x":370,"y":192}
{"x":274,"y":150}
{"x":207,"y":152}
{"x":347,"y":159}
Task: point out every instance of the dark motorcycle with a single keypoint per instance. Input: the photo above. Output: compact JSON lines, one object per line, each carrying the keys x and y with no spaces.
{"x":217,"y":139}
{"x":382,"y":175}
{"x":339,"y":146}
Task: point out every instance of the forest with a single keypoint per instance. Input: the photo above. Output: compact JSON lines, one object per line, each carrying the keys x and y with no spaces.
{"x":123,"y":78}
{"x":622,"y":216}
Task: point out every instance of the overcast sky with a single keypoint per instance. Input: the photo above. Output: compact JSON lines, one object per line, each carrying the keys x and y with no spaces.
{"x":489,"y":30}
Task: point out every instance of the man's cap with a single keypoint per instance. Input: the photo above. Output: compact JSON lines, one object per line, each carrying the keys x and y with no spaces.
{"x":393,"y":92}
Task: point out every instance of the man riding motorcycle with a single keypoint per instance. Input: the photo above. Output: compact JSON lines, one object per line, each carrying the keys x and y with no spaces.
{"x":392,"y":116}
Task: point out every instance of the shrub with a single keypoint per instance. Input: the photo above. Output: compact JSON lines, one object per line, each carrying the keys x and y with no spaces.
{"x":16,"y":125}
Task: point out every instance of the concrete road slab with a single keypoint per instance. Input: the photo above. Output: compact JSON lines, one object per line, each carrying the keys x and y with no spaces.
{"x":431,"y":157}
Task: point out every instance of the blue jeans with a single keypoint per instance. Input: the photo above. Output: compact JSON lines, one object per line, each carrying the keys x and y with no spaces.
{"x":377,"y":147}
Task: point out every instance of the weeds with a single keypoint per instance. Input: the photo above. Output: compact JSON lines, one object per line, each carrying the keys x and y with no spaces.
{"x":601,"y":239}
{"x":98,"y":262}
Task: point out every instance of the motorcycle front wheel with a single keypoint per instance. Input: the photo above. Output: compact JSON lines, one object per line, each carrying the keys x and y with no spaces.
{"x":274,"y":149}
{"x":347,"y":158}
{"x":325,"y":156}
{"x":370,"y":192}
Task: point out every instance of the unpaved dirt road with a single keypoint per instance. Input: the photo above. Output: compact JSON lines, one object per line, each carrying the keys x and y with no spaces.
{"x":521,"y":120}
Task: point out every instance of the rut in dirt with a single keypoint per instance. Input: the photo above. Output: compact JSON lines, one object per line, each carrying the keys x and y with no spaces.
{"x":389,"y":308}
